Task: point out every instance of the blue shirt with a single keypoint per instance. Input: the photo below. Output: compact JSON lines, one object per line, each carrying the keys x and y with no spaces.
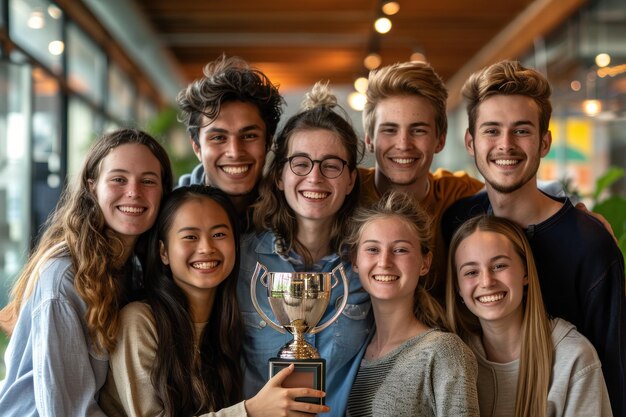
{"x":52,"y":366}
{"x":340,"y":344}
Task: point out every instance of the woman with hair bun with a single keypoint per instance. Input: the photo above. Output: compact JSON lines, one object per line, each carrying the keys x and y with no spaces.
{"x":311,"y":188}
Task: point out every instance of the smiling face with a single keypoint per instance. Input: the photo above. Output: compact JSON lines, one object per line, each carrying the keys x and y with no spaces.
{"x":200,"y":247}
{"x":232,"y":148}
{"x":507,"y":146}
{"x":405,"y":140}
{"x":389,"y":259}
{"x":491,"y":278}
{"x":128,"y":190}
{"x":313,"y":196}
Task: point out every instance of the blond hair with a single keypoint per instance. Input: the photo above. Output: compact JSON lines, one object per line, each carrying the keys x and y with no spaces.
{"x":406,"y":79}
{"x":536,"y":352}
{"x":400,"y":205}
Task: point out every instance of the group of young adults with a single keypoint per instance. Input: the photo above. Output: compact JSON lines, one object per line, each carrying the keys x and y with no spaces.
{"x":137,"y":299}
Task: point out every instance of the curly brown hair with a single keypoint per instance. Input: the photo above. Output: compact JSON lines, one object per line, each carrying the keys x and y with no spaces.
{"x":229,"y":79}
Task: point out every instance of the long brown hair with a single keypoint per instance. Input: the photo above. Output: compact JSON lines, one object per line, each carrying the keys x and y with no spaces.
{"x":77,"y":228}
{"x":272,"y":212}
{"x":185,"y":382}
{"x":536,"y":352}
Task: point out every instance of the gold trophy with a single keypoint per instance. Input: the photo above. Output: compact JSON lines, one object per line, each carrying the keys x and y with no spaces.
{"x":298,"y":301}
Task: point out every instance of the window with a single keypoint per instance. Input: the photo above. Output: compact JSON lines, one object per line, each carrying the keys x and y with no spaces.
{"x":121,"y":92}
{"x":86,"y":65}
{"x":37,"y":26}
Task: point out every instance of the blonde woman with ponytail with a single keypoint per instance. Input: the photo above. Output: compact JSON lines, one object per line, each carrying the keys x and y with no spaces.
{"x":528,"y":365}
{"x":412,"y":366}
{"x":64,"y":310}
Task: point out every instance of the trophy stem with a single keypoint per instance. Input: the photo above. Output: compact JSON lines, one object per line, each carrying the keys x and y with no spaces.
{"x":298,"y":348}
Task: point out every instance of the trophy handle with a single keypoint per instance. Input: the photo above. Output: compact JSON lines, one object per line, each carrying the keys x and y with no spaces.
{"x":344,"y":299}
{"x":257,"y":307}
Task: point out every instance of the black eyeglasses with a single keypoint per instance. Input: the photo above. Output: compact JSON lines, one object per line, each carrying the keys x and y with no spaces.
{"x":330,"y":167}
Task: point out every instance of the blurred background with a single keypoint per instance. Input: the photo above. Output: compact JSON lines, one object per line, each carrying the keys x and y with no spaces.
{"x":73,"y":69}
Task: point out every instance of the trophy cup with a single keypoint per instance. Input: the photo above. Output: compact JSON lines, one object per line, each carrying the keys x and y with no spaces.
{"x":298,"y":301}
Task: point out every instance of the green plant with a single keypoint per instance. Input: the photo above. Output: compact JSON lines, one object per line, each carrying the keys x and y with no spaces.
{"x":166,"y":127}
{"x":613,"y":207}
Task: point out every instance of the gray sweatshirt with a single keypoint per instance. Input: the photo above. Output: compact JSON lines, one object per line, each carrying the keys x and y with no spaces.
{"x":577,"y":387}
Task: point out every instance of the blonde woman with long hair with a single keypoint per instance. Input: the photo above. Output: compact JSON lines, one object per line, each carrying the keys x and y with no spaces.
{"x":528,"y":365}
{"x":65,"y":304}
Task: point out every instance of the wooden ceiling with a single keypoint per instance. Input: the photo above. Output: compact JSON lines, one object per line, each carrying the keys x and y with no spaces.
{"x":298,"y":42}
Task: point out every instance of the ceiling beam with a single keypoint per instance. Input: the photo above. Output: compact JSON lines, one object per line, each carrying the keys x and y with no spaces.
{"x":537,"y":20}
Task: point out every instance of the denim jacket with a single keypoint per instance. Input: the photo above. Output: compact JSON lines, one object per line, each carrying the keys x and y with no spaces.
{"x":52,"y":366}
{"x":339,"y":344}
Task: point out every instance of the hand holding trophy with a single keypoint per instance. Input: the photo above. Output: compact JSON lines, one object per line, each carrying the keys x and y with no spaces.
{"x":298,"y":301}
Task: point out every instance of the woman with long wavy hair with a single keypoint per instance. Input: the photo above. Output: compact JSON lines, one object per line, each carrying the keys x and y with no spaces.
{"x":528,"y":364}
{"x":65,"y":303}
{"x":178,"y":350}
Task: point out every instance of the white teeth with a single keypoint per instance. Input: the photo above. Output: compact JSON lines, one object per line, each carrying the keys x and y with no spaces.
{"x":385,"y":278}
{"x":314,"y":195}
{"x":403,"y":161}
{"x":506,"y":162}
{"x":234,"y":170}
{"x":126,"y":209}
{"x":204,"y":265}
{"x":491,"y":298}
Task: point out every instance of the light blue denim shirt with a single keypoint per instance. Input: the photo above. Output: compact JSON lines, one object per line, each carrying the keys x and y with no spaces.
{"x":52,"y":368}
{"x":339,"y":344}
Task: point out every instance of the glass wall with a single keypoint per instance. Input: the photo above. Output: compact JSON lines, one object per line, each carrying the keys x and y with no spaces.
{"x":58,"y":91}
{"x":15,"y":168}
{"x":86,"y":65}
{"x":37,"y":26}
{"x":585,"y":61}
{"x":48,"y":171}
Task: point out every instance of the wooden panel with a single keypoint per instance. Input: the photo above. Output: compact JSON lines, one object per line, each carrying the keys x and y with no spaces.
{"x":299,"y":42}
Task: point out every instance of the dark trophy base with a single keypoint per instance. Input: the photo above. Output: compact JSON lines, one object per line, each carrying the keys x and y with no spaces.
{"x":308,"y":373}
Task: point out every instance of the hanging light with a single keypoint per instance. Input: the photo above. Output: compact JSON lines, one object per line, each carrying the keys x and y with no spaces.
{"x":418,"y":56}
{"x":390,"y":7}
{"x":360,"y":84}
{"x":372,"y":61}
{"x":592,"y":107}
{"x":36,"y":20}
{"x":603,"y":60}
{"x":356,"y":100}
{"x":382,"y":25}
{"x":56,"y":47}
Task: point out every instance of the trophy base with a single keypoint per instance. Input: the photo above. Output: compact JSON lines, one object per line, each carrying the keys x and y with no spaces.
{"x":308,"y":373}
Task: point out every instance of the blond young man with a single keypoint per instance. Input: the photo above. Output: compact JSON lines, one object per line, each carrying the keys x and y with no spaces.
{"x":405,"y":125}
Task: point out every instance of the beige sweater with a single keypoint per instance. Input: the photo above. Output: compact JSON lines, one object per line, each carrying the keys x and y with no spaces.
{"x":128,"y":390}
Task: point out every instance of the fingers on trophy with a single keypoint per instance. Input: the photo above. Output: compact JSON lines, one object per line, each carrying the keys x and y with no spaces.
{"x":298,"y":301}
